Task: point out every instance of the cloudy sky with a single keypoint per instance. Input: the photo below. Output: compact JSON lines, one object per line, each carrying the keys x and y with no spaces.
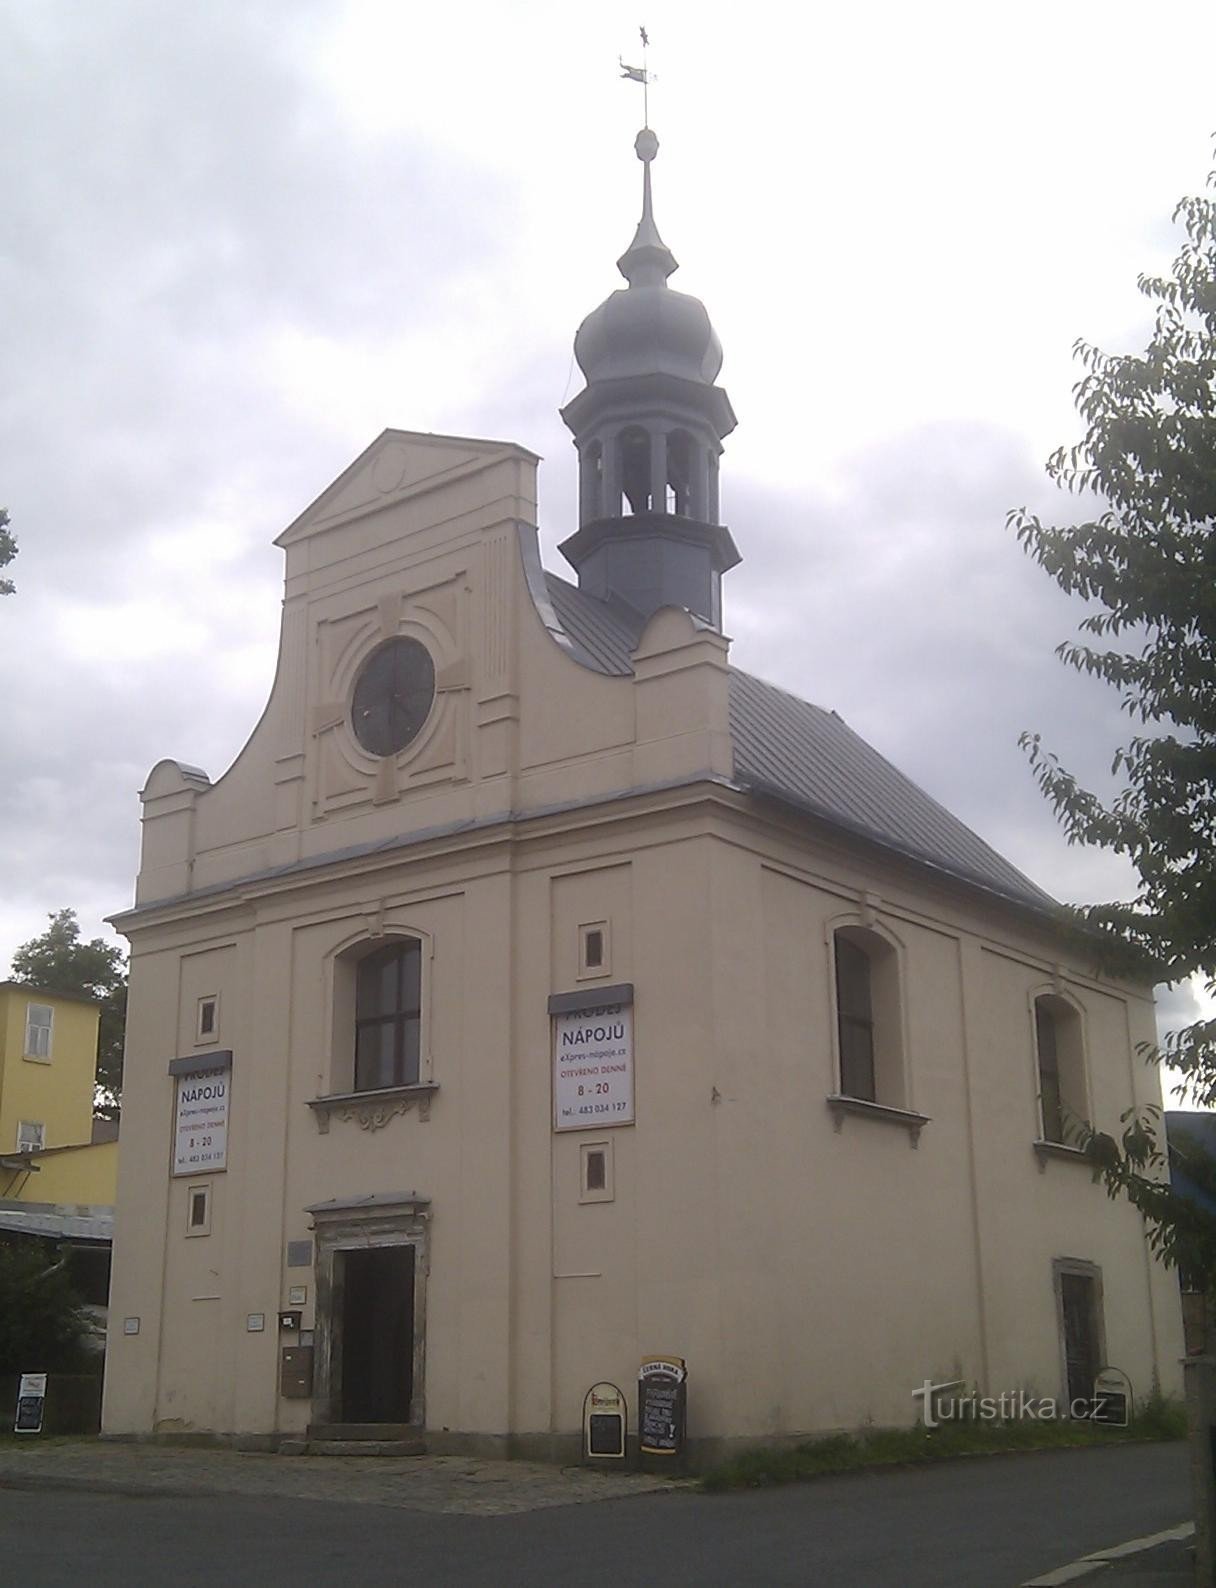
{"x":237,"y":240}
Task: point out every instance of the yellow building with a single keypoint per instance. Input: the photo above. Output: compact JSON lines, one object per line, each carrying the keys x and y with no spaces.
{"x":49,"y":1153}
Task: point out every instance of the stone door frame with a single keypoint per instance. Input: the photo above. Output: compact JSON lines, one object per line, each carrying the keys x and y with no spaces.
{"x":357,"y":1224}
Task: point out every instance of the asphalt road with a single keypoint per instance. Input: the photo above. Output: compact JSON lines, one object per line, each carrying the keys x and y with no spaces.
{"x":990,"y":1522}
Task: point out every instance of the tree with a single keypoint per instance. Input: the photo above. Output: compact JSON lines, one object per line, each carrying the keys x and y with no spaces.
{"x":1146,"y":561}
{"x":59,"y":961}
{"x":42,"y":1325}
{"x":8,"y":550}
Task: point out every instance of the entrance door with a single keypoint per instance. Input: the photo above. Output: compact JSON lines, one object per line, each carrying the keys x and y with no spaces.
{"x":1079,"y":1305}
{"x":377,"y":1334}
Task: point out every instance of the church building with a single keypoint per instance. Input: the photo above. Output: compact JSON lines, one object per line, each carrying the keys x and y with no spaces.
{"x":538,"y":992}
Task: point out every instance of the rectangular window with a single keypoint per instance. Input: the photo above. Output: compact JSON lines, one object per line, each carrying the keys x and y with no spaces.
{"x":208,"y":1018}
{"x":1049,"y":1073}
{"x":198,"y":1210}
{"x":31,"y":1135}
{"x":855,"y":1020}
{"x":39,"y":1019}
{"x":594,"y":950}
{"x":388,"y":1017}
{"x":595,"y":1171}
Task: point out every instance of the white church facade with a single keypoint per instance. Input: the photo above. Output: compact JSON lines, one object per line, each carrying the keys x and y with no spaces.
{"x":539,"y":992}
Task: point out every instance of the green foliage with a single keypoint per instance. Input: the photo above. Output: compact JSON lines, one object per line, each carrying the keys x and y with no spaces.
{"x":59,"y":961}
{"x":41,"y":1323}
{"x":885,"y":1447}
{"x":8,"y":550}
{"x":1146,"y":564}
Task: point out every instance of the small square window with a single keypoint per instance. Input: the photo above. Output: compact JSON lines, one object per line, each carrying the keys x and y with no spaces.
{"x":198,"y":1210}
{"x":208,"y":1029}
{"x":594,"y":950}
{"x":39,"y":1019}
{"x":595,"y":1171}
{"x":31,"y":1135}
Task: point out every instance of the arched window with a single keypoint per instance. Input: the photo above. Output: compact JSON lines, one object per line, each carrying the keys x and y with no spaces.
{"x":679,"y":472}
{"x":635,"y":468}
{"x":869,"y":1020}
{"x":593,"y":481}
{"x":1061,"y":1067}
{"x":388,"y":1016}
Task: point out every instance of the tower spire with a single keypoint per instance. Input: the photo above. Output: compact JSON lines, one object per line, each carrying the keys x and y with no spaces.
{"x":648,"y":261}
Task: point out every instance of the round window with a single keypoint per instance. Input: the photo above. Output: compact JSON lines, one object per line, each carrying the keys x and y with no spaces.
{"x":393,"y":696}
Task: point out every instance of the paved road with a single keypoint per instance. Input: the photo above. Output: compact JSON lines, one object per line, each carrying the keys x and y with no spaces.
{"x":986,"y":1523}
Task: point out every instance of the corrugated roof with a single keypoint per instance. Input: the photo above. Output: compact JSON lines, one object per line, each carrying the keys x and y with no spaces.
{"x":793,"y":751}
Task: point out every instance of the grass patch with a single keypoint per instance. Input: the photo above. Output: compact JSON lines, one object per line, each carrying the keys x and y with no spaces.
{"x":884,"y":1447}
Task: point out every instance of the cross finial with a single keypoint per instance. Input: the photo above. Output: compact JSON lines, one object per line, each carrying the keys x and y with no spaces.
{"x":640,"y":74}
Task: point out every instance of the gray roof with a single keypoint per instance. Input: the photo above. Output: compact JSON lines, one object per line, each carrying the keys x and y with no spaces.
{"x":789,"y":750}
{"x":58,"y":1222}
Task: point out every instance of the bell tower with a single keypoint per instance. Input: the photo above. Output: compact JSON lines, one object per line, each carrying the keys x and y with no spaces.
{"x":648,"y":427}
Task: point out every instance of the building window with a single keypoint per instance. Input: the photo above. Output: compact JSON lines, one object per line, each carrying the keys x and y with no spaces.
{"x":594,"y":955}
{"x":595,"y":1171}
{"x":198,"y":1210}
{"x":39,"y":1019}
{"x":208,"y":1018}
{"x":31,"y":1135}
{"x":634,"y":444}
{"x":869,"y":1020}
{"x":388,"y":1016}
{"x":1061,"y":1068}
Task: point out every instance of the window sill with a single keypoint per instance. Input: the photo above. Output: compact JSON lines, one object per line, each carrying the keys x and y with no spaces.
{"x":913,"y":1123}
{"x":36,"y":1058}
{"x":372,"y":1110}
{"x":1043,"y":1150}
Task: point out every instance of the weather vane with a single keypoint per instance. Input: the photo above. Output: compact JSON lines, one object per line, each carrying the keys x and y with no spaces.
{"x":640,"y":74}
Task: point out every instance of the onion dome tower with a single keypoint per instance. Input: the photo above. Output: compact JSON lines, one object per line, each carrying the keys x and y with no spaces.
{"x":648,"y":427}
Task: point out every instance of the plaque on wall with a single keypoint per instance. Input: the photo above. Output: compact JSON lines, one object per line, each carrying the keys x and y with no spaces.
{"x":662,"y":1401}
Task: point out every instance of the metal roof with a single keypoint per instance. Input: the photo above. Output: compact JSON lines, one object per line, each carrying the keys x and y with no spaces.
{"x":790,"y":750}
{"x":58,"y":1222}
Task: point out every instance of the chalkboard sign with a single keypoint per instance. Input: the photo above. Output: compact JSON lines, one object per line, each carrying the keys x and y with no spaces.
{"x":1110,"y":1407}
{"x":604,"y":1435}
{"x":662,"y":1392}
{"x":31,"y":1396}
{"x":1112,"y":1400}
{"x":604,"y":1422}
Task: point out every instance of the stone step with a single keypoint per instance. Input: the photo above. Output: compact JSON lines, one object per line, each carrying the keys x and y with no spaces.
{"x":364,"y":1447}
{"x":377,"y":1431}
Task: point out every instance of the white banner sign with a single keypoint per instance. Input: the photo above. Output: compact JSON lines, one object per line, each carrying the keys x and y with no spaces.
{"x":201,"y":1138}
{"x":593,"y":1068}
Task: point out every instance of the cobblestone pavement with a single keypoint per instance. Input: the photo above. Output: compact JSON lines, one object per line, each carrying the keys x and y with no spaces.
{"x":449,"y":1485}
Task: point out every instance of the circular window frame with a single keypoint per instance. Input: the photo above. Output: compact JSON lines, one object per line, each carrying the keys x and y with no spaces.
{"x":389,"y":733}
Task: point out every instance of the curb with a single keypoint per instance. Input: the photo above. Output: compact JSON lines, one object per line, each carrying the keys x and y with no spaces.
{"x":1093,"y":1562}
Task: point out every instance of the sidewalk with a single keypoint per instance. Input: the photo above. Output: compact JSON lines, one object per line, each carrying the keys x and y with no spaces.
{"x":1165,"y":1561}
{"x":449,"y":1485}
